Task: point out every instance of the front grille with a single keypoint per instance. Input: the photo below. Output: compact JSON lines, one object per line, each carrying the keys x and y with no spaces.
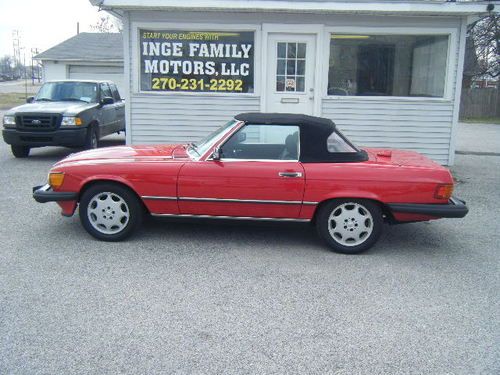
{"x":38,"y":122}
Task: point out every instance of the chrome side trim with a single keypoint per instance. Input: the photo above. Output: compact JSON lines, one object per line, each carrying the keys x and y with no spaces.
{"x":155,"y":198}
{"x":231,"y":217}
{"x":309,"y":203}
{"x":227,"y":200}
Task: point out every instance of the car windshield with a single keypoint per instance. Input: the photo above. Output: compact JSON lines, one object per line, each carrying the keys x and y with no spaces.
{"x":68,"y":91}
{"x":197,"y":149}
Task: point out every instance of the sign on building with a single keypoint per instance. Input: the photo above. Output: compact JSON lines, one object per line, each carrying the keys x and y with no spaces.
{"x":197,"y":61}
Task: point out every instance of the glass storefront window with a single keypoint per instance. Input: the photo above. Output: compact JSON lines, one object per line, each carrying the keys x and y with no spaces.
{"x":387,"y":65}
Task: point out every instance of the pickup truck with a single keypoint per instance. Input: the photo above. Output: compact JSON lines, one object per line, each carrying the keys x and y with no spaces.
{"x":66,"y":113}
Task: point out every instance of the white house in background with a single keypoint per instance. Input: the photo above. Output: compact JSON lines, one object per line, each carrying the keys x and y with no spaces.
{"x":388,"y":73}
{"x":86,"y":56}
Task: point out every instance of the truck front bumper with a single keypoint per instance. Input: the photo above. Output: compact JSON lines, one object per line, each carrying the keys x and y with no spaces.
{"x":60,"y":137}
{"x":455,"y":208}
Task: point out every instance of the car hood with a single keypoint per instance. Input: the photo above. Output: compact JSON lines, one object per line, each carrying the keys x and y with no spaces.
{"x":67,"y":108}
{"x":128,"y":153}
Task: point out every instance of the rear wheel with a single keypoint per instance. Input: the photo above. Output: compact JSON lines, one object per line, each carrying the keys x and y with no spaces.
{"x":110,"y":212}
{"x":20,"y":151}
{"x":350,"y":226}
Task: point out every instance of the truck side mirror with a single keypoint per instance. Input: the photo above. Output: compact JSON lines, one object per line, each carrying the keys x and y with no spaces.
{"x":107,"y":100}
{"x":30,"y":99}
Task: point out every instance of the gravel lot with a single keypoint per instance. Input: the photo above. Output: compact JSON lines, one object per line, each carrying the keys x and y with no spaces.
{"x":219,"y":297}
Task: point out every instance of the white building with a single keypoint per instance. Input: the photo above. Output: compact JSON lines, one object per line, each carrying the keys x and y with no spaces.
{"x":388,"y":73}
{"x":86,"y":56}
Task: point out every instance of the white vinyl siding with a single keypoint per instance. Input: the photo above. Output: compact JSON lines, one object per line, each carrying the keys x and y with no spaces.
{"x":419,"y":126}
{"x":183,"y":118}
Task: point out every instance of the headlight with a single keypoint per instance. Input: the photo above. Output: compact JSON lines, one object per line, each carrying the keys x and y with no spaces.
{"x":71,"y":121}
{"x":9,"y":121}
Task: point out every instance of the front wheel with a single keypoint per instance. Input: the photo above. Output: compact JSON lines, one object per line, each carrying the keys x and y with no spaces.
{"x":110,"y":212}
{"x":350,"y":226}
{"x":92,"y":140}
{"x":20,"y":151}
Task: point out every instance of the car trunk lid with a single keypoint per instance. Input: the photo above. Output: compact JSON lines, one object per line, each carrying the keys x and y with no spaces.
{"x":401,"y":158}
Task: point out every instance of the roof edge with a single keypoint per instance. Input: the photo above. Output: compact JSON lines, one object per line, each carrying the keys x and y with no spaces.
{"x":375,"y":7}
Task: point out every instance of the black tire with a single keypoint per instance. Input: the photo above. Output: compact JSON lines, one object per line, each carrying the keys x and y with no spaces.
{"x":20,"y":151}
{"x":92,"y":140}
{"x":350,"y":226}
{"x":110,"y":224}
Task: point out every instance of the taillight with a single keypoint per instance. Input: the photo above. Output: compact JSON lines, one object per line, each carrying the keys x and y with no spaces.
{"x":443,"y":191}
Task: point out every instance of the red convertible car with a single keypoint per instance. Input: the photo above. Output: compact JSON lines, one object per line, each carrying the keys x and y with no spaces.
{"x":256,"y":167}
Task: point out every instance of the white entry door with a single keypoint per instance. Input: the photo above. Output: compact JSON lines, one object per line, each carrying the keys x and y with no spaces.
{"x":290,"y":73}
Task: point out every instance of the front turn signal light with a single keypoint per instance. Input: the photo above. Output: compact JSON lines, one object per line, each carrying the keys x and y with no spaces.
{"x":56,"y":180}
{"x":443,"y":191}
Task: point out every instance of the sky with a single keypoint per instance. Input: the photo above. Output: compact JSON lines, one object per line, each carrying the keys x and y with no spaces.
{"x":43,"y":23}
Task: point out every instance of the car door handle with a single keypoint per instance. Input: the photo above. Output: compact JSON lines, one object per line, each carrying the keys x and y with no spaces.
{"x":290,"y":174}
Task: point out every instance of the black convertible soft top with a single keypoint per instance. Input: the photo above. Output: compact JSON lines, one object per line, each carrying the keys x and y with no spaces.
{"x":314,"y":133}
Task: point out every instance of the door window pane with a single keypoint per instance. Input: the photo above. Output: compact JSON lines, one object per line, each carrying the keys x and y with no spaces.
{"x":116,"y":94}
{"x":105,"y":91}
{"x":292,"y":62}
{"x":263,"y":142}
{"x":281,"y":66}
{"x":388,"y":65}
{"x":281,"y":50}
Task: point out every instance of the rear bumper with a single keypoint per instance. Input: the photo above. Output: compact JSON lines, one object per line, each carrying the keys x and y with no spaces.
{"x":60,"y":137}
{"x":43,"y":194}
{"x":455,"y":208}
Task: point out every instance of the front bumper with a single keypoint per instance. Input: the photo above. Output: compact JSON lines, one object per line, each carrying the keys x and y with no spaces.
{"x":59,"y":137}
{"x":455,"y":208}
{"x":44,"y":193}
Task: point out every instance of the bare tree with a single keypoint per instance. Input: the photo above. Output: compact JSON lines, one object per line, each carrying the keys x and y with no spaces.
{"x":10,"y":67}
{"x":107,"y":24}
{"x":482,"y":55}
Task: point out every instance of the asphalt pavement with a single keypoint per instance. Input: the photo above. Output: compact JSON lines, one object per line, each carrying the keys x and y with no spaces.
{"x":478,"y":139}
{"x":204,"y":297}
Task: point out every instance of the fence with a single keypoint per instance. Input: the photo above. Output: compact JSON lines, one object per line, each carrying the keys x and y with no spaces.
{"x":477,"y":103}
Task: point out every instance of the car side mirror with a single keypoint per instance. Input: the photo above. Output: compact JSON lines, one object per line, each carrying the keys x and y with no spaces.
{"x":30,"y":99}
{"x":216,"y":155}
{"x":107,"y":100}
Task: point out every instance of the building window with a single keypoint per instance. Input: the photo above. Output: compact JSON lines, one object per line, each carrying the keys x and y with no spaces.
{"x":291,"y":67}
{"x":197,"y":61}
{"x":387,"y":65}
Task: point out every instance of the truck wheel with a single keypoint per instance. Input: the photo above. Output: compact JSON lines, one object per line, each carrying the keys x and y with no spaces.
{"x":20,"y":151}
{"x":350,"y":226}
{"x":92,"y":140}
{"x":110,"y":212}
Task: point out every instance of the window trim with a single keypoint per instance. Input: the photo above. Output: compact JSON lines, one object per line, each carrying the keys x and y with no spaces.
{"x":260,"y":160}
{"x":451,"y":59}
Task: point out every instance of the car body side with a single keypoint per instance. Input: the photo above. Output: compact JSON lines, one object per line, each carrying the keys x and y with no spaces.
{"x":159,"y":177}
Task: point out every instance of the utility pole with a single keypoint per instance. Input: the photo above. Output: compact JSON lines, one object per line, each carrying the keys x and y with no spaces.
{"x":34,"y":52}
{"x":16,"y":44}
